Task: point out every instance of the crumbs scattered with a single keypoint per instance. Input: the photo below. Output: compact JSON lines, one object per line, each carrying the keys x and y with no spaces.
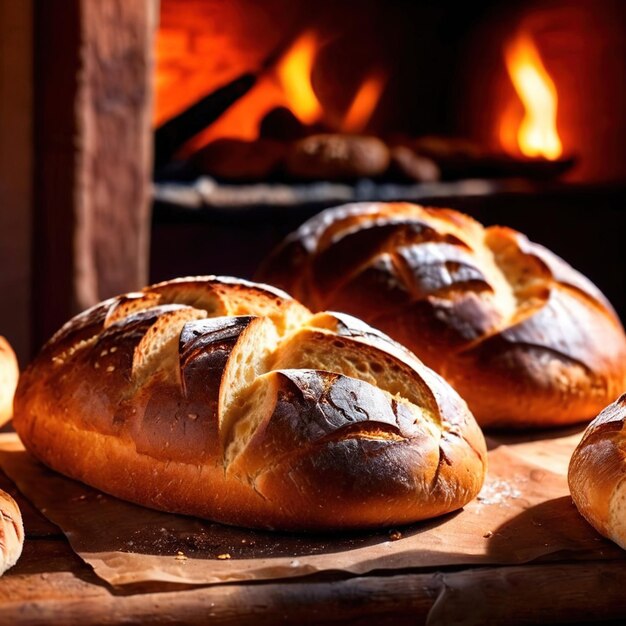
{"x":488,"y":534}
{"x":498,"y":492}
{"x":223,"y":557}
{"x":394,"y":535}
{"x":180,"y":556}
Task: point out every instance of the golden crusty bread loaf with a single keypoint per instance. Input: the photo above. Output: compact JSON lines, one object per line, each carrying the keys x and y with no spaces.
{"x":9,"y":373}
{"x":229,"y":400}
{"x":524,"y":338}
{"x":597,"y":473}
{"x":11,"y":532}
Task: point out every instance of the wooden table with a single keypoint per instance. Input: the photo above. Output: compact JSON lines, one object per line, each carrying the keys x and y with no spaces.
{"x":51,"y":585}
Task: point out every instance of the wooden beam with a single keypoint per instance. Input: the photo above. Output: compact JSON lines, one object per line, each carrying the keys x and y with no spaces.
{"x":16,"y":153}
{"x":93,"y":135}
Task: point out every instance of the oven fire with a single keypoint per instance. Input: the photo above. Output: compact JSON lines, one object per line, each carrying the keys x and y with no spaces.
{"x":288,"y":84}
{"x":312,"y":95}
{"x":294,"y":75}
{"x":532,"y":133}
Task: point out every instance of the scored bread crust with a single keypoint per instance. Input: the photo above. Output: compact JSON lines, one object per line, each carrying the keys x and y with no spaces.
{"x":523,"y":337}
{"x":11,"y":532}
{"x":597,"y":473}
{"x":9,"y":373}
{"x":231,"y":401}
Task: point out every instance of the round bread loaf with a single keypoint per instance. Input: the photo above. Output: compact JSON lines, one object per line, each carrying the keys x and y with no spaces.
{"x":524,"y":338}
{"x":239,"y":160}
{"x":337,"y":157}
{"x":9,"y":373}
{"x":11,"y":532}
{"x":597,"y":473}
{"x":229,"y":400}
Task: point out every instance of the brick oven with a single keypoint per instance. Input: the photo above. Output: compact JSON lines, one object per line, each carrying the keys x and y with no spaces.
{"x":224,"y":90}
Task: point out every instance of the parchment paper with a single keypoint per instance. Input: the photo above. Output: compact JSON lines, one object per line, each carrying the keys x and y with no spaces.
{"x":523,"y":513}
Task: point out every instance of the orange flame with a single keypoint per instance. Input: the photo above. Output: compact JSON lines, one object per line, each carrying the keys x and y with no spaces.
{"x":294,"y":73}
{"x":537,"y":134}
{"x":364,"y":103}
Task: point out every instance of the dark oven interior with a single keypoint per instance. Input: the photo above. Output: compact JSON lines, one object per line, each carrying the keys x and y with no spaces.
{"x":266,"y":113}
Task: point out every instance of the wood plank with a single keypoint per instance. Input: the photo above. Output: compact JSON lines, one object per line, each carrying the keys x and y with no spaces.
{"x":50,"y":585}
{"x":93,"y":69}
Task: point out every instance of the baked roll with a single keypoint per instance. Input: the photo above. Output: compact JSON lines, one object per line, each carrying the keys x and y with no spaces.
{"x":229,"y":400}
{"x":239,"y":160}
{"x":337,"y":157}
{"x":597,"y":473}
{"x":524,"y":338}
{"x":9,"y":373}
{"x":11,"y":532}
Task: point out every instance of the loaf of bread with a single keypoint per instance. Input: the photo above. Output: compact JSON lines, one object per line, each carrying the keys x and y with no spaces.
{"x":9,"y":373}
{"x":11,"y":532}
{"x":229,"y":400}
{"x":524,"y":338}
{"x":597,"y":473}
{"x":337,"y":157}
{"x":239,"y":160}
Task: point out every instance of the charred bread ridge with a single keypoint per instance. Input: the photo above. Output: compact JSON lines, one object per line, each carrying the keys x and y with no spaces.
{"x":597,"y":473}
{"x":11,"y":532}
{"x":9,"y":373}
{"x":229,"y":400}
{"x":522,"y":336}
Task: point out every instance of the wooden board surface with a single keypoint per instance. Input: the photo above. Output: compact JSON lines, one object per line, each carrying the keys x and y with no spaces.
{"x":51,"y":585}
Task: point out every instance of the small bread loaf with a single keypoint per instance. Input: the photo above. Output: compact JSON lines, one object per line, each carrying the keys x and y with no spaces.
{"x":11,"y":532}
{"x":9,"y":373}
{"x":337,"y":157}
{"x":231,"y":401}
{"x":524,"y":338}
{"x":597,"y":473}
{"x":239,"y":160}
